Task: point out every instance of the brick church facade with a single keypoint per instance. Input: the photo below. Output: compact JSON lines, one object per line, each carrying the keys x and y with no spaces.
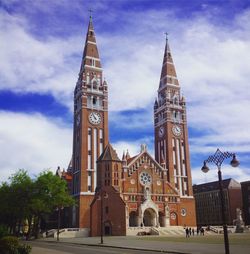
{"x":131,"y":192}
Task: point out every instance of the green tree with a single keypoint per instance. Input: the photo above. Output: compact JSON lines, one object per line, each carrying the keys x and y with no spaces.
{"x":15,"y":198}
{"x":25,"y":199}
{"x":50,"y":193}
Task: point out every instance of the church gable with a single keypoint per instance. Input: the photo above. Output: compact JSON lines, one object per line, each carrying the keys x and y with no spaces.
{"x":145,"y":161}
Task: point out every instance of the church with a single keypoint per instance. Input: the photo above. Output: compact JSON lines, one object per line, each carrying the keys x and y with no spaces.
{"x":123,"y":196}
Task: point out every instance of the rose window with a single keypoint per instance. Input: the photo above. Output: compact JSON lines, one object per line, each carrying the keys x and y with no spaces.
{"x":145,"y":178}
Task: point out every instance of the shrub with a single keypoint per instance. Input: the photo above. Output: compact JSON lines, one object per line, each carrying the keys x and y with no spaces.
{"x":24,"y":249}
{"x":3,"y":231}
{"x":9,"y":245}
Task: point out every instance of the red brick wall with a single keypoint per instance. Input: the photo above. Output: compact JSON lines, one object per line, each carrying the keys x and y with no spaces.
{"x":116,"y":213}
{"x":235,"y":201}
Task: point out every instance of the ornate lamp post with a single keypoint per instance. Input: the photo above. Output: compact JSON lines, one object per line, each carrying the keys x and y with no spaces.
{"x":218,"y":159}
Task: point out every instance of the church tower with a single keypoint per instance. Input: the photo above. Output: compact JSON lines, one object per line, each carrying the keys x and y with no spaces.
{"x":170,"y":125}
{"x":90,"y":129}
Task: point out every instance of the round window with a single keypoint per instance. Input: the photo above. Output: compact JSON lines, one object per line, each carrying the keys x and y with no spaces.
{"x":183,"y":212}
{"x":173,"y":216}
{"x":145,"y":178}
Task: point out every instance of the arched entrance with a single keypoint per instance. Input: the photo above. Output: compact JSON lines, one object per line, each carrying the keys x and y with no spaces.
{"x":133,"y":219}
{"x":149,"y":218}
{"x":173,"y":219}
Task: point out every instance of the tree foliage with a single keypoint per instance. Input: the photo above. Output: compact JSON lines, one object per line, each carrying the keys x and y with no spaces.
{"x":25,"y":199}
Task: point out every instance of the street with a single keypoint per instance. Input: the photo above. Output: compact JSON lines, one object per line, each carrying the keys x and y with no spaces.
{"x":65,"y":248}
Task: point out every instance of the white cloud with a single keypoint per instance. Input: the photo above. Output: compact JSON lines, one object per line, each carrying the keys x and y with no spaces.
{"x":32,"y":142}
{"x":133,"y":147}
{"x":240,"y":174}
{"x":211,"y":62}
{"x":32,"y":65}
{"x":131,"y":119}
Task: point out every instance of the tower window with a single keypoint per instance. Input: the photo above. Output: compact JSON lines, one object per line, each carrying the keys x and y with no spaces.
{"x":92,"y":62}
{"x":94,"y":100}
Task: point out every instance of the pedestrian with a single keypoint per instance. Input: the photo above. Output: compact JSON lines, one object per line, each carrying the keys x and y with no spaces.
{"x":187,"y":232}
{"x":190,"y":231}
{"x":197,"y":231}
{"x":193,"y":231}
{"x":202,"y":231}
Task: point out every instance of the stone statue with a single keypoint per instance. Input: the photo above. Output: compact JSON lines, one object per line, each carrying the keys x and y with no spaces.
{"x":147,"y":194}
{"x":239,"y":221}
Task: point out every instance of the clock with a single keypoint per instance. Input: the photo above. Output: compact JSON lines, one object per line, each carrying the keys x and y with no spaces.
{"x":161,"y":131}
{"x":95,"y":118}
{"x":176,"y":130}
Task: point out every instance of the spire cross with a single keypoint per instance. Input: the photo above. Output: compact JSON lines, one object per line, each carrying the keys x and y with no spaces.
{"x":90,"y":13}
{"x":166,"y":35}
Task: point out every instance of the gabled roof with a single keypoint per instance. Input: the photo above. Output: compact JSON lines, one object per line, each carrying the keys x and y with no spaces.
{"x":226,"y":184}
{"x":109,"y":154}
{"x":134,"y":160}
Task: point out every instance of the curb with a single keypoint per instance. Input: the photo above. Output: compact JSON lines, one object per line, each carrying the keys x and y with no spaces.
{"x":115,"y":247}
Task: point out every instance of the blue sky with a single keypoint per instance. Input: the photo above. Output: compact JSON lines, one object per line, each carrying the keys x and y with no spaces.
{"x":40,"y":54}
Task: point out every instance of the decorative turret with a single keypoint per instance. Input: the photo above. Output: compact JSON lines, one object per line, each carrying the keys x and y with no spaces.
{"x":127,"y":155}
{"x":156,"y":104}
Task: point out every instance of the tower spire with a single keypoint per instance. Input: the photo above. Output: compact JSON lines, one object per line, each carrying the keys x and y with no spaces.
{"x":168,"y":73}
{"x":90,"y":59}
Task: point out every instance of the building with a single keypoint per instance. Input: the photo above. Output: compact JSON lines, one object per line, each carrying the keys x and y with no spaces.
{"x":245,"y":189}
{"x":208,"y":202}
{"x":90,"y":134}
{"x":132,"y":192}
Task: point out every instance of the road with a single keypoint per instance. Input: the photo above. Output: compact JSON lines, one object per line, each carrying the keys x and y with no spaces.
{"x":62,"y":248}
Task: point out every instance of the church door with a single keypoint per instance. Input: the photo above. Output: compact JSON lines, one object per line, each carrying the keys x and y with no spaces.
{"x":149,"y":218}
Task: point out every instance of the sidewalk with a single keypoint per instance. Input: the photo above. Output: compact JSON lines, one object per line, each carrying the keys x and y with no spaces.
{"x":133,"y":242}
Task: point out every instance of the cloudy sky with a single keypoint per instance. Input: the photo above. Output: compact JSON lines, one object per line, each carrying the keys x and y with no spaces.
{"x":40,"y":54}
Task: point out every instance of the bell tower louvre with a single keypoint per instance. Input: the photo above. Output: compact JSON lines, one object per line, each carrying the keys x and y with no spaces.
{"x":90,"y":134}
{"x":170,"y":125}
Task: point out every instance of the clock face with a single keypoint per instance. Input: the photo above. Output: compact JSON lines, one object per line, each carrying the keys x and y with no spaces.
{"x":95,"y":118}
{"x":176,"y":130}
{"x":145,"y":178}
{"x":161,"y":131}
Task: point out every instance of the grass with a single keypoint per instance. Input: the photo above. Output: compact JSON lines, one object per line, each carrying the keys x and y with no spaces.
{"x":234,"y":239}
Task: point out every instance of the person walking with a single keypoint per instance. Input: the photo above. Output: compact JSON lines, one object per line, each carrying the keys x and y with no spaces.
{"x":187,"y":232}
{"x":202,"y":231}
{"x":193,"y":231}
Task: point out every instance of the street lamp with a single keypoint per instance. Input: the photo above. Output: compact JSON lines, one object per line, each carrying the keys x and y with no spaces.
{"x":59,"y":208}
{"x":217,"y":159}
{"x":101,"y":195}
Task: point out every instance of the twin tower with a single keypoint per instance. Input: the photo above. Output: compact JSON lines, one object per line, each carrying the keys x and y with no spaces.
{"x":140,"y":191}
